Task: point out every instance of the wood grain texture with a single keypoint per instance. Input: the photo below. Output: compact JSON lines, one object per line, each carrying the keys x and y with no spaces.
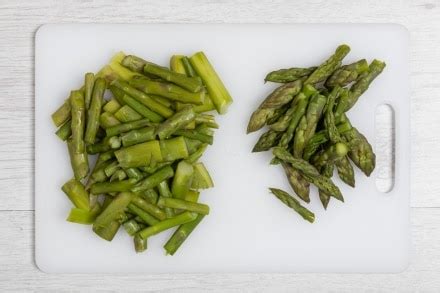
{"x":18,"y":272}
{"x":19,"y":21}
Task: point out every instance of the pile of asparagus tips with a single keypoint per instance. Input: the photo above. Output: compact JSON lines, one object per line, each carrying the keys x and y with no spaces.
{"x":309,"y":132}
{"x":148,"y":139}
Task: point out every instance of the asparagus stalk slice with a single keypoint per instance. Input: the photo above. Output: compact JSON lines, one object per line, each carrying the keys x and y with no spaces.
{"x":165,"y":191}
{"x":77,"y":194}
{"x":154,"y":179}
{"x":65,"y":131}
{"x":115,"y":186}
{"x":119,"y":175}
{"x":146,"y":217}
{"x":180,"y":219}
{"x":288,"y":75}
{"x":150,"y":208}
{"x":192,"y":196}
{"x":114,"y":209}
{"x":195,"y":156}
{"x":167,"y":90}
{"x":330,"y":155}
{"x":326,"y":69}
{"x":140,"y":245}
{"x":112,"y":106}
{"x":361,"y":152}
{"x":182,"y":179}
{"x":89,"y":81}
{"x":108,"y":232}
{"x":78,"y":161}
{"x":94,"y":110}
{"x":141,"y":109}
{"x":111,"y":168}
{"x":134,"y":63}
{"x":108,"y":143}
{"x":153,"y":168}
{"x":78,"y":120}
{"x":267,"y":140}
{"x":201,"y":178}
{"x":137,"y":136}
{"x":176,"y":122}
{"x":139,"y":155}
{"x":175,"y":148}
{"x":329,"y":118}
{"x":125,"y":127}
{"x":189,"y":70}
{"x":84,"y":217}
{"x":150,"y":195}
{"x":62,"y":114}
{"x":192,"y":84}
{"x":127,"y":114}
{"x":347,"y":74}
{"x":132,"y":227}
{"x":176,"y":64}
{"x":120,"y":70}
{"x":143,"y":98}
{"x":181,"y":204}
{"x":207,"y":119}
{"x":107,"y":120}
{"x":181,"y":234}
{"x":216,"y":89}
{"x":193,"y":134}
{"x":291,"y":202}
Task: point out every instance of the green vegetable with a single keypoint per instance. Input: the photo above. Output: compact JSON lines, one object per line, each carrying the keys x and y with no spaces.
{"x":347,"y":74}
{"x":176,"y":122}
{"x":182,"y":179}
{"x":288,"y":75}
{"x":181,"y":234}
{"x":112,"y":106}
{"x":137,"y":136}
{"x":140,"y":244}
{"x":216,"y":89}
{"x":115,"y":186}
{"x":180,"y":219}
{"x":78,"y":161}
{"x":78,"y":121}
{"x":201,"y":178}
{"x":297,"y":182}
{"x":89,"y":82}
{"x":62,"y":114}
{"x":146,"y":217}
{"x":291,"y":202}
{"x":94,"y":111}
{"x":154,"y":179}
{"x":150,"y":208}
{"x":77,"y":194}
{"x":165,"y":191}
{"x":107,"y":120}
{"x":345,"y":171}
{"x":181,"y":204}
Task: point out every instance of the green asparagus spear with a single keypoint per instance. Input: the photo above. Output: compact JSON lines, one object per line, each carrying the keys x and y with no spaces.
{"x":134,"y":63}
{"x":307,"y":125}
{"x":182,"y":180}
{"x":108,"y":143}
{"x":189,"y":70}
{"x":146,"y":217}
{"x":125,"y":127}
{"x":327,"y":171}
{"x":89,"y":81}
{"x":317,"y":140}
{"x":193,"y":134}
{"x":154,"y":179}
{"x":78,"y":121}
{"x":112,"y":106}
{"x":192,"y":84}
{"x":65,"y":131}
{"x":291,"y":202}
{"x":78,"y":161}
{"x":94,"y":111}
{"x":127,"y":114}
{"x":141,"y":109}
{"x":294,"y":110}
{"x":143,"y":98}
{"x":132,"y":227}
{"x":359,"y":87}
{"x":114,"y":209}
{"x":330,"y":155}
{"x":361,"y":152}
{"x":150,"y":195}
{"x":110,"y":169}
{"x":277,"y":114}
{"x":81,"y":216}
{"x":108,"y":232}
{"x":115,"y":186}
{"x":326,"y":69}
{"x":197,"y":154}
{"x":137,"y":136}
{"x":176,"y":122}
{"x":216,"y":89}
{"x":309,"y":172}
{"x":278,"y":98}
{"x":192,"y":196}
{"x":347,"y":74}
{"x":329,"y":118}
{"x":180,"y":219}
{"x":119,"y":175}
{"x":299,"y":185}
{"x":140,"y":245}
{"x":165,"y":191}
{"x":150,"y":208}
{"x":267,"y":140}
{"x":345,"y":171}
{"x":77,"y":194}
{"x":181,"y":204}
{"x":167,"y":90}
{"x":139,"y":155}
{"x":288,"y":75}
{"x":181,"y":234}
{"x":62,"y":114}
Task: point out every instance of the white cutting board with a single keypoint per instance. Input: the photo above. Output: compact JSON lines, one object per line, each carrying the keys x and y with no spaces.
{"x":248,"y":230}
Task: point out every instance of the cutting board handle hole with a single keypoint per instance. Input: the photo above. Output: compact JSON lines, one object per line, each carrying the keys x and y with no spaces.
{"x":385,"y":138}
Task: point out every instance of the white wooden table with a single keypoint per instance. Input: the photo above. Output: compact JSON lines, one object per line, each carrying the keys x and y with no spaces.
{"x":20,"y":19}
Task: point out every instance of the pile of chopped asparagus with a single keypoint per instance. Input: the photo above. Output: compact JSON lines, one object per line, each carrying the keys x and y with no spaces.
{"x":148,"y":139}
{"x":309,"y":132}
